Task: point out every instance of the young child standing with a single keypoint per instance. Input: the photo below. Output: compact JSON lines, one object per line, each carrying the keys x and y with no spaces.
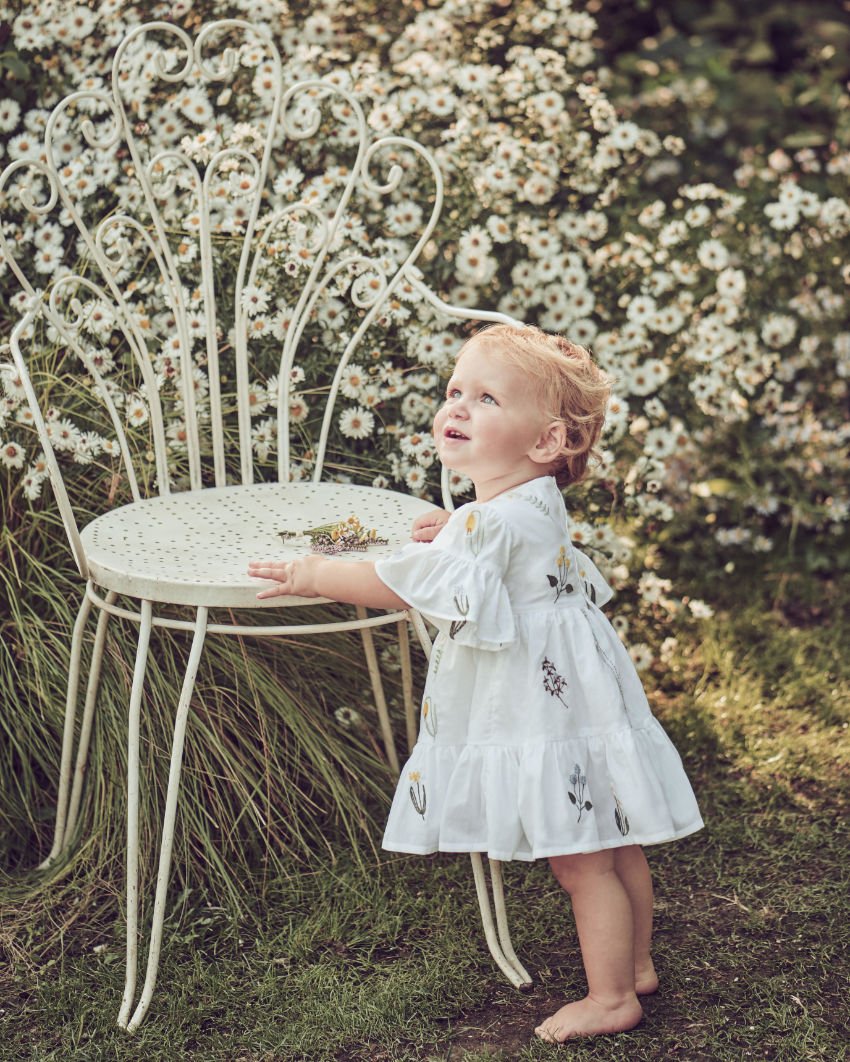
{"x":536,"y":737}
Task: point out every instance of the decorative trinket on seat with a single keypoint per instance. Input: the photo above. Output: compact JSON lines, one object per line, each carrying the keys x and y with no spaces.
{"x":345,"y":536}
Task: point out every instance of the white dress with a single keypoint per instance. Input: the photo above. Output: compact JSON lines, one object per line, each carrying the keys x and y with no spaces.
{"x":536,"y":738}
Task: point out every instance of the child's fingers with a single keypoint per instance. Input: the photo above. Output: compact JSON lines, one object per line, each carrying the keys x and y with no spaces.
{"x":426,"y":534}
{"x":426,"y":527}
{"x":268,"y":569}
{"x":280,"y":572}
{"x":427,"y":519}
{"x":275,"y":591}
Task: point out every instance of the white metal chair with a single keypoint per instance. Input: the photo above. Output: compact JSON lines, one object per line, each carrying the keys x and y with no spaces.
{"x":189,"y":546}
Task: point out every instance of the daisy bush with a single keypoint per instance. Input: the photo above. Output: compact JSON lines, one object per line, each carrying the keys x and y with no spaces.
{"x":721,"y":312}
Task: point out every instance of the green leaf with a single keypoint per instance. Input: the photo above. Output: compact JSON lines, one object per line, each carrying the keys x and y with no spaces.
{"x":16,"y":67}
{"x":805,"y":138}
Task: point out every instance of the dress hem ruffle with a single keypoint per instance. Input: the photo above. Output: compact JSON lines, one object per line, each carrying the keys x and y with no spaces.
{"x":543,"y":853}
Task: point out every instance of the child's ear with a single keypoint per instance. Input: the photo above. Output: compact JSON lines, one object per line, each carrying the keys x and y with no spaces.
{"x":552,"y":442}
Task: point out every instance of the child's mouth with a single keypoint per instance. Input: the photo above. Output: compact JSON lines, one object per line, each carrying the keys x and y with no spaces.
{"x":453,"y":433}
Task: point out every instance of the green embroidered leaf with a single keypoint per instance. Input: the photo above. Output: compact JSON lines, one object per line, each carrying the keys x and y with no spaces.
{"x":572,"y":797}
{"x":553,"y":580}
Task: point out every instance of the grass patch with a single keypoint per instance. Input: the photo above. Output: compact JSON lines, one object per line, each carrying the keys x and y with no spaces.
{"x":388,"y":962}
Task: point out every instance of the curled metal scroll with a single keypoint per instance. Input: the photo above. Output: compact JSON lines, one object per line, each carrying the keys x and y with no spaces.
{"x":229,"y":57}
{"x":26,"y":191}
{"x":96,"y":136}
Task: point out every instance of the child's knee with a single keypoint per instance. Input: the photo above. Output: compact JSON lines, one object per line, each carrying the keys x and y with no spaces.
{"x":574,"y":871}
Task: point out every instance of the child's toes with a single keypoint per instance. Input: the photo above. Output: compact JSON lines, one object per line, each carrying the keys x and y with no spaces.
{"x":544,"y":1032}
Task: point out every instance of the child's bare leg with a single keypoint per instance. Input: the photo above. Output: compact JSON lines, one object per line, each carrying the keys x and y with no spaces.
{"x":633,"y":870}
{"x":603,"y":914}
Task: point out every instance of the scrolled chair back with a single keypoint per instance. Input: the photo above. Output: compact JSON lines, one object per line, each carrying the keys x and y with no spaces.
{"x":226,"y":244}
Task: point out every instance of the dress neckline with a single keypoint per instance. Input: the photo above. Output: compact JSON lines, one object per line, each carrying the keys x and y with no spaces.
{"x":540,"y":480}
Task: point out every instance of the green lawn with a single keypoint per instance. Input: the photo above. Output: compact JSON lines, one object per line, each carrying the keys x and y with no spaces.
{"x":752,"y":936}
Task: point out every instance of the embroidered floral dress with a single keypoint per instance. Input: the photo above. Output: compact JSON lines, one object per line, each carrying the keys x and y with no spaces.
{"x":536,"y":738}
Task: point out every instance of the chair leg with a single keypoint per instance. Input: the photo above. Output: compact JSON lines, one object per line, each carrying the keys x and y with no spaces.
{"x":378,"y":692}
{"x":421,"y":630}
{"x":169,"y":817}
{"x":407,"y":684}
{"x":88,"y":717}
{"x":513,"y":975}
{"x":502,"y":922}
{"x":508,"y":963}
{"x":68,"y":734}
{"x":133,"y":719}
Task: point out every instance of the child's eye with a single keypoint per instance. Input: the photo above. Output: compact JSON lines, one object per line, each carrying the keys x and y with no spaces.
{"x":489,"y":398}
{"x":452,"y":391}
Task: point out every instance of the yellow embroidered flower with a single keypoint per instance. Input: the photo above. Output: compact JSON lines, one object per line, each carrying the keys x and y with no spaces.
{"x":414,"y":776}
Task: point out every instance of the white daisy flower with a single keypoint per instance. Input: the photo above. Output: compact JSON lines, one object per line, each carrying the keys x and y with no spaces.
{"x":254,"y":300}
{"x":298,"y":409}
{"x":712,"y":254}
{"x":593,"y":225}
{"x":547,"y":104}
{"x":136,"y":411}
{"x":440,"y":102}
{"x":31,"y":485}
{"x":63,"y":434}
{"x":782,"y":215}
{"x":12,"y":455}
{"x":731,"y":283}
{"x":263,"y":436}
{"x":624,"y":136}
{"x":404,"y":218}
{"x":583,"y":331}
{"x":697,"y":216}
{"x":287,"y":181}
{"x":354,"y":379}
{"x":778,"y":330}
{"x":356,"y":423}
{"x":416,"y":480}
{"x":10,"y":114}
{"x":641,"y":309}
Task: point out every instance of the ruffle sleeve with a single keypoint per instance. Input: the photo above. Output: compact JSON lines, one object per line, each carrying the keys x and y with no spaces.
{"x":456,"y":580}
{"x":592,"y":581}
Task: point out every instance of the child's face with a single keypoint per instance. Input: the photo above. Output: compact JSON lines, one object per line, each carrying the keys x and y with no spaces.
{"x":491,"y":422}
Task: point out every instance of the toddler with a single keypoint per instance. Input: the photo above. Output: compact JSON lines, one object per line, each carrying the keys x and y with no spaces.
{"x":536,"y":738}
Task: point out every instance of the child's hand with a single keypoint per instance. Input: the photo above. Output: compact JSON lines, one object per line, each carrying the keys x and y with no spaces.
{"x":295,"y":578}
{"x":428,"y":526}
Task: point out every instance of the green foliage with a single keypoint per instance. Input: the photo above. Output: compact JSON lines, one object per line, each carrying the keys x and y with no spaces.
{"x":728,"y":80}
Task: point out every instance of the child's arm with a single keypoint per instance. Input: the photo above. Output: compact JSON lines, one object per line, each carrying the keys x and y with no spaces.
{"x":355,"y":583}
{"x":428,"y":526}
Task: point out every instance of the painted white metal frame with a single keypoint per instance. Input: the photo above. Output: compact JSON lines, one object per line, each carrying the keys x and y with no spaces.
{"x":298,"y":113}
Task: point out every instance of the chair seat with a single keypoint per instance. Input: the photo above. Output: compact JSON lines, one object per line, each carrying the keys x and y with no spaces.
{"x":193,"y":548}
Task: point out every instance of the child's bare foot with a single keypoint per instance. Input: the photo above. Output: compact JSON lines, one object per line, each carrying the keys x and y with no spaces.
{"x":589,"y":1018}
{"x":646,"y":979}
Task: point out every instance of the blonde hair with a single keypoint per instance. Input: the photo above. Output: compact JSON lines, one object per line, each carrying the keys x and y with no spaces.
{"x":573,"y":390}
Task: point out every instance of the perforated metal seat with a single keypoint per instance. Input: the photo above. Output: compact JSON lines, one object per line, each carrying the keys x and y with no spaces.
{"x":193,"y":548}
